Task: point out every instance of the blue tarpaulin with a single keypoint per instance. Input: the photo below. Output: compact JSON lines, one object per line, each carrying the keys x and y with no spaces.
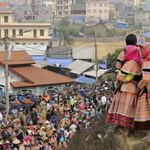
{"x":53,"y":61}
{"x":103,"y":66}
{"x":147,"y":34}
{"x":120,"y":25}
{"x":78,"y":18}
{"x":85,"y":80}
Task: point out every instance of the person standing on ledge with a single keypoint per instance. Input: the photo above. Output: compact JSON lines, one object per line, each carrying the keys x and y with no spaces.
{"x":122,"y":109}
{"x":142,"y":113}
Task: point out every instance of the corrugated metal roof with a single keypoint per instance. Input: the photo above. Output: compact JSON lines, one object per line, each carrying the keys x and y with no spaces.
{"x":60,"y":52}
{"x":82,"y":52}
{"x":31,"y":49}
{"x":79,"y":66}
{"x":93,"y":73}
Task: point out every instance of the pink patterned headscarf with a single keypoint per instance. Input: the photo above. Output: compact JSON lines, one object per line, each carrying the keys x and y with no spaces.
{"x":146,"y":51}
{"x":132,"y":53}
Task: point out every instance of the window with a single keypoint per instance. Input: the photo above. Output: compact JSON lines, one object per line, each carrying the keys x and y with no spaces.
{"x":105,"y":4}
{"x":89,"y":11}
{"x":41,"y":32}
{"x":105,"y":11}
{"x":100,"y":5}
{"x":100,"y":11}
{"x":89,"y":4}
{"x":5,"y":32}
{"x":94,"y":4}
{"x":16,"y":43}
{"x":5,"y":18}
{"x":13,"y":32}
{"x":0,"y":33}
{"x":34,"y":43}
{"x":41,"y":43}
{"x":23,"y":43}
{"x":94,"y":11}
{"x":20,"y":32}
{"x":34,"y":34}
{"x":60,"y":12}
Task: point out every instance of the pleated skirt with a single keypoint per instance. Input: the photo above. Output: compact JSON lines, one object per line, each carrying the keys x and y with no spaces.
{"x":142,"y":113}
{"x":122,"y":109}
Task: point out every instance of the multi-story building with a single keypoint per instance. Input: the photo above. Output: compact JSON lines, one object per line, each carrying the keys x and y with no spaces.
{"x":143,"y":18}
{"x":97,"y":8}
{"x":40,"y":34}
{"x":62,"y":7}
{"x":135,"y":3}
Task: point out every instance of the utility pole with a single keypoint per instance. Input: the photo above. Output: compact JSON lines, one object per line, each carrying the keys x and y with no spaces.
{"x":96,"y":57}
{"x":6,"y":67}
{"x":6,"y":76}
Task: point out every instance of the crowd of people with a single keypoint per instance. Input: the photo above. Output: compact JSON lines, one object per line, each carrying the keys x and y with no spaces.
{"x":47,"y":123}
{"x":130,"y":109}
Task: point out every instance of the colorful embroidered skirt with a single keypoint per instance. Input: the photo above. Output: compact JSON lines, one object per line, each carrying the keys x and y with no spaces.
{"x":122,"y":109}
{"x":142,"y":113}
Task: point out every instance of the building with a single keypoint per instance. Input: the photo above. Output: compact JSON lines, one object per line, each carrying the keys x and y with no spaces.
{"x":39,"y":35}
{"x":24,"y":76}
{"x":61,"y":7}
{"x":135,"y":3}
{"x":129,"y":11}
{"x":142,"y":17}
{"x":97,"y":8}
{"x":78,"y":9}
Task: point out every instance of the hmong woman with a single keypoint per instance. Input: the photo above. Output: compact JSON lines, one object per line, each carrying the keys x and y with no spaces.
{"x":142,"y":114}
{"x":122,"y":109}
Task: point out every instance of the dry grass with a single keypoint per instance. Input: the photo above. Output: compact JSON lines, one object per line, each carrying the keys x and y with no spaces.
{"x":102,"y":48}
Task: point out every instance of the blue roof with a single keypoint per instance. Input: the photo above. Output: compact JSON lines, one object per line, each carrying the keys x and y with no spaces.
{"x":85,"y":80}
{"x":140,"y":42}
{"x":120,"y":25}
{"x":78,"y":18}
{"x":147,"y":34}
{"x":53,"y":61}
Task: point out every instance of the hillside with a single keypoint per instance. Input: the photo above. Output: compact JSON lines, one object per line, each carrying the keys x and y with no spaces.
{"x":106,"y":137}
{"x":102,"y":48}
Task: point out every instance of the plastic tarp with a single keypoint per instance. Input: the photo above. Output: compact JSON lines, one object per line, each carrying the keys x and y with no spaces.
{"x":85,"y":80}
{"x":103,"y":66}
{"x":78,"y":18}
{"x":147,"y":34}
{"x":53,"y":61}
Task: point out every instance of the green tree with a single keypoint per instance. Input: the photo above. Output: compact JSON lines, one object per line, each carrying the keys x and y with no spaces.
{"x":73,"y":31}
{"x":112,"y":58}
{"x":64,"y":23}
{"x":62,"y":32}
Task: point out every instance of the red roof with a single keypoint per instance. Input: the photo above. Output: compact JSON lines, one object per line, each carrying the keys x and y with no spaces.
{"x":4,"y":5}
{"x":17,"y":58}
{"x":35,"y":76}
